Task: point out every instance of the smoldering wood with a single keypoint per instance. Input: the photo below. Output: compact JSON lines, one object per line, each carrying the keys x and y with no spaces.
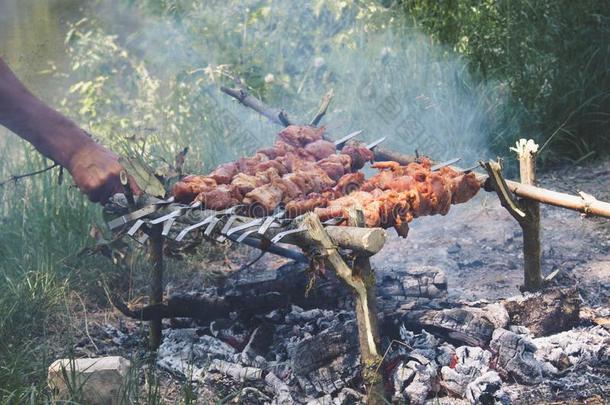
{"x":547,"y":312}
{"x":252,"y":292}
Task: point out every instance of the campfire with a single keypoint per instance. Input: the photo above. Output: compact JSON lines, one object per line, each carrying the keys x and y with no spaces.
{"x":310,"y":192}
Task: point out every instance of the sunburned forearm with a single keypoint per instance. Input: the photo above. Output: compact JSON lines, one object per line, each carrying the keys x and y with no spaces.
{"x":50,"y":132}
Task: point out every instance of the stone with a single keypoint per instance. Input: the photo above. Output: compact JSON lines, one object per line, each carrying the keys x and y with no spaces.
{"x":515,"y":357}
{"x":95,"y":381}
{"x":470,"y":363}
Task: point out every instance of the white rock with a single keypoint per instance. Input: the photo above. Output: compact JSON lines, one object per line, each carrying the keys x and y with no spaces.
{"x":97,"y":381}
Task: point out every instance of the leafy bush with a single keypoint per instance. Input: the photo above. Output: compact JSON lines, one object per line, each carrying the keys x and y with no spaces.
{"x":553,"y":56}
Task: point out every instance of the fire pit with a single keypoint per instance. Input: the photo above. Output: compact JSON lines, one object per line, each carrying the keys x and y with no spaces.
{"x":300,"y":192}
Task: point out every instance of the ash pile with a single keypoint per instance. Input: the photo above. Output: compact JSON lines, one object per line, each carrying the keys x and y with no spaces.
{"x":282,"y":347}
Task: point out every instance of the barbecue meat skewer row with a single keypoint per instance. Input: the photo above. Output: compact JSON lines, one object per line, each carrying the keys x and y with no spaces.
{"x":300,"y":162}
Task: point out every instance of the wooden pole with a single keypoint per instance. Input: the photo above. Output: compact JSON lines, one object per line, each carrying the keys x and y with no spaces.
{"x":371,"y":361}
{"x":530,"y":224}
{"x":156,"y":283}
{"x":366,"y":315}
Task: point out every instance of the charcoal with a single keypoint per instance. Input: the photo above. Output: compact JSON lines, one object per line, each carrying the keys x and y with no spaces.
{"x":470,"y":363}
{"x":583,"y":347}
{"x":236,"y":371}
{"x":487,"y":390}
{"x":515,"y":357}
{"x":463,"y":325}
{"x":422,"y":384}
{"x":280,"y":390}
{"x":325,"y":363}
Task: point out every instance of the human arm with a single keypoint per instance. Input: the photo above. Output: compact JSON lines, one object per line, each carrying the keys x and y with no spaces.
{"x":95,"y":169}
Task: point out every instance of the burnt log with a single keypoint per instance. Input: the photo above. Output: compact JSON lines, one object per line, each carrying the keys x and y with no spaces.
{"x":464,"y":325}
{"x":327,"y":362}
{"x":546,"y":312}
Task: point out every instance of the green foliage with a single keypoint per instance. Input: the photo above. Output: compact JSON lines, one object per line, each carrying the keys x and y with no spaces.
{"x":552,"y":55}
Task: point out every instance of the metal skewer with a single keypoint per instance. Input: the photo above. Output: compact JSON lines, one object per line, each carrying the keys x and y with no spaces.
{"x":339,"y":143}
{"x":375,"y":143}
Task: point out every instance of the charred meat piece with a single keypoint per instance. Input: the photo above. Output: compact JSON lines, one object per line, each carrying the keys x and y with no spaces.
{"x":336,"y":166}
{"x":224,"y":173}
{"x":359,"y":154}
{"x":246,"y":183}
{"x":295,"y":208}
{"x":348,"y":183}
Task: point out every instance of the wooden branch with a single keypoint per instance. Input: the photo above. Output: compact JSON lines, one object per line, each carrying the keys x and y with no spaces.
{"x":275,"y":115}
{"x":532,"y":271}
{"x":585,"y":204}
{"x":17,"y":177}
{"x":371,"y":361}
{"x":323,"y":108}
{"x":367,"y":321}
{"x":496,"y":179}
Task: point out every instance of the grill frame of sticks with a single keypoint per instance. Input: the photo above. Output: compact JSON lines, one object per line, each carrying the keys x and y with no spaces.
{"x":165,"y":222}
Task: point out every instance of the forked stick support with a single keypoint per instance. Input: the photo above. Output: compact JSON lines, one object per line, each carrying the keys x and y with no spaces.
{"x":525,"y":211}
{"x":362,"y":282}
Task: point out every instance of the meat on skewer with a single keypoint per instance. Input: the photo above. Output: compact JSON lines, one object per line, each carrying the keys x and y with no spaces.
{"x":302,"y":173}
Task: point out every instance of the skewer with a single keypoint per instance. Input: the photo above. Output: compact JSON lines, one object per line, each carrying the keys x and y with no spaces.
{"x":339,"y":143}
{"x":446,"y":163}
{"x":373,"y":144}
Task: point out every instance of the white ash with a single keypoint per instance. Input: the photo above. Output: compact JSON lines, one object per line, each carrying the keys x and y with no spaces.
{"x":471,"y":363}
{"x":577,"y":348}
{"x":188,"y":352}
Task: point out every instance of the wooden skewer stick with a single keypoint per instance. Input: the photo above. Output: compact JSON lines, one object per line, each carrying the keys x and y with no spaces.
{"x":366,"y":314}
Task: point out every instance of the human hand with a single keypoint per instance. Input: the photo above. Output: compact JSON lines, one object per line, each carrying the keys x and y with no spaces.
{"x":96,"y":171}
